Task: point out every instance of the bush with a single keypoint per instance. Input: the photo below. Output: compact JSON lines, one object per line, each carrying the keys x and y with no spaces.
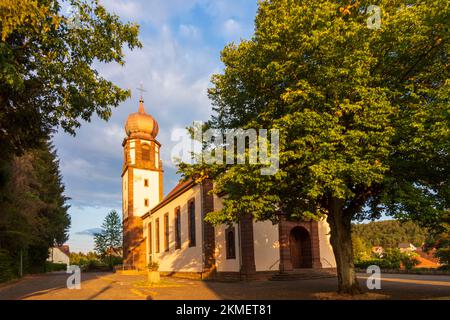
{"x":443,"y":254}
{"x":392,"y":258}
{"x":382,"y":263}
{"x":51,"y":266}
{"x":6,"y":266}
{"x":445,"y":267}
{"x":112,"y":261}
{"x":95,"y":265}
{"x":92,"y":262}
{"x":410,"y":261}
{"x":361,"y":250}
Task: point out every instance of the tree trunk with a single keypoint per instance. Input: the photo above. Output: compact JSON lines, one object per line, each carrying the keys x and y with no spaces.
{"x":341,"y":242}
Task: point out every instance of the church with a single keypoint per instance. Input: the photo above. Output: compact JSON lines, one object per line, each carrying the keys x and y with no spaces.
{"x":171,"y":230}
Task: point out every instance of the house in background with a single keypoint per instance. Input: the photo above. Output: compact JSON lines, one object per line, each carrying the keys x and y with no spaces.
{"x":378,"y":250}
{"x":59,"y":254}
{"x":406,"y":247}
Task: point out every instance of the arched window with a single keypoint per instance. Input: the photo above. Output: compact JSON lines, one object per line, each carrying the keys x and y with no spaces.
{"x":166,"y":232}
{"x":230,"y":243}
{"x":177,"y":228}
{"x":150,"y":242}
{"x":191,"y":222}
{"x":145,"y":152}
{"x":157,"y":234}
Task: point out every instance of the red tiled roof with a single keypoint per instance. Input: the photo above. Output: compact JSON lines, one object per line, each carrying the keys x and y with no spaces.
{"x":425,"y":263}
{"x":65,"y":249}
{"x":178,"y":187}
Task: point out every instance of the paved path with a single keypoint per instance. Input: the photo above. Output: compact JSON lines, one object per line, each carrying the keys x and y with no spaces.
{"x":110,"y":286}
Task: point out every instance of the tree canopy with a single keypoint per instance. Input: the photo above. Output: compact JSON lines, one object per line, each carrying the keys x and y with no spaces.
{"x":47,"y":74}
{"x":439,"y":239}
{"x":363,"y":116}
{"x":390,"y":233}
{"x":48,"y":53}
{"x":33,"y":209}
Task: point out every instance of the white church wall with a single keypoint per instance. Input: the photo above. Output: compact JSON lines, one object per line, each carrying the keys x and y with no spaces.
{"x":265,"y":237}
{"x":185,"y":259}
{"x":266,"y":244}
{"x":222,"y":263}
{"x":141,"y":192}
{"x":326,"y":251}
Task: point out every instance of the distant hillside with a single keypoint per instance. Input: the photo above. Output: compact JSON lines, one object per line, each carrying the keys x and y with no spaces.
{"x":389,"y":233}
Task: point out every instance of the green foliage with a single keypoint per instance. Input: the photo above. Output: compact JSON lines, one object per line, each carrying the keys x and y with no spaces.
{"x":109,"y":241}
{"x":51,"y":266}
{"x":6,"y":266}
{"x":363,"y":116}
{"x":95,"y":265}
{"x":390,"y":233}
{"x":392,"y":258}
{"x":92,"y":261}
{"x":48,"y":79}
{"x":33,"y":208}
{"x":361,"y":249}
{"x":382,"y":263}
{"x":47,"y":75}
{"x":81,"y":258}
{"x":410,"y":262}
{"x":439,"y":239}
{"x":15,"y":14}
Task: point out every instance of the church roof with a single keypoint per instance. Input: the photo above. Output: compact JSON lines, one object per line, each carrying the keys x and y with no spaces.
{"x":182,"y":185}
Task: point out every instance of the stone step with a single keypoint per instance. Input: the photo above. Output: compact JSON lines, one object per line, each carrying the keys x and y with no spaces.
{"x":303,"y":275}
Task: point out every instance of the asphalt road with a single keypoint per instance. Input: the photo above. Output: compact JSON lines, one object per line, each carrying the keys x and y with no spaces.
{"x":110,"y":286}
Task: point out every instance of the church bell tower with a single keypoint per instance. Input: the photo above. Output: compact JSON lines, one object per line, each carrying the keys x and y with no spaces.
{"x":142,"y":182}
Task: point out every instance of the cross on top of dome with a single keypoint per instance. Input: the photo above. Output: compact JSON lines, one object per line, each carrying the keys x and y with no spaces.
{"x":141,"y":99}
{"x":141,"y":123}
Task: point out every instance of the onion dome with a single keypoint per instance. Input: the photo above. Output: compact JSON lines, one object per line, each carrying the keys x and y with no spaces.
{"x":141,"y":123}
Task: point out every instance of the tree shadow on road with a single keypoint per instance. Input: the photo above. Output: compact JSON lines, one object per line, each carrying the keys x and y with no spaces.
{"x":39,"y":285}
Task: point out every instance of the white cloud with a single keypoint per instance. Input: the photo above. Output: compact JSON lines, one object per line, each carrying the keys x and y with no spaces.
{"x":189,"y":31}
{"x":125,"y":9}
{"x":232,"y":28}
{"x":175,"y":76}
{"x":179,"y":56}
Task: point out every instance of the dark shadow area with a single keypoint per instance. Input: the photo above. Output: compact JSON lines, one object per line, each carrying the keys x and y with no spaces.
{"x":37,"y":285}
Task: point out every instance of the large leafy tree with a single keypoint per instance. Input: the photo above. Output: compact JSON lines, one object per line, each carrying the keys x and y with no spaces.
{"x":47,"y":77}
{"x":363,"y":115}
{"x":48,"y":53}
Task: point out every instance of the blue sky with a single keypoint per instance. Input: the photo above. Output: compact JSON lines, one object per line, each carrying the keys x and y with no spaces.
{"x":182,"y":40}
